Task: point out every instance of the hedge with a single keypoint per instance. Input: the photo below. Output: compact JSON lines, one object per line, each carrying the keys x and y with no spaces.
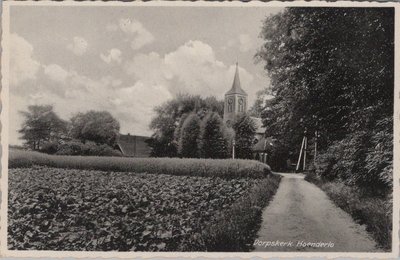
{"x":223,"y":168}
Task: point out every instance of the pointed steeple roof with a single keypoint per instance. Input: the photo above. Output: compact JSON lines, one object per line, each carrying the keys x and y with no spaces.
{"x":236,"y":88}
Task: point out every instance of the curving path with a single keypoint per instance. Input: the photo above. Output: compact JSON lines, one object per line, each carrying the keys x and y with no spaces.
{"x":301,"y":213}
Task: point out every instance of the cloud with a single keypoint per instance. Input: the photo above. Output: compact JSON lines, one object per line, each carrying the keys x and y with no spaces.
{"x":149,"y":68}
{"x":23,"y":66}
{"x":112,"y":27}
{"x":56,"y":73}
{"x":192,"y":68}
{"x":78,"y":46}
{"x":111,"y":81}
{"x":114,"y":55}
{"x":137,"y":34}
{"x":147,"y":81}
{"x":199,"y":72}
{"x":245,"y":43}
{"x":135,"y":104}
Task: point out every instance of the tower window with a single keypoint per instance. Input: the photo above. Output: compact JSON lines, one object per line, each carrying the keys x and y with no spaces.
{"x":230,"y":105}
{"x":241,"y":105}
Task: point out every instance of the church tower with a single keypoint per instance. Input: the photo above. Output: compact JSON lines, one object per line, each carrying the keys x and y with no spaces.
{"x":235,"y":100}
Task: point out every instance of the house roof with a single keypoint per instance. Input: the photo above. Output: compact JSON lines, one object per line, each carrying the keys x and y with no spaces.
{"x":236,"y":88}
{"x":133,"y":145}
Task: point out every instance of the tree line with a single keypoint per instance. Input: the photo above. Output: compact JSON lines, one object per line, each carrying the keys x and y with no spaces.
{"x":192,"y":127}
{"x":186,"y":126}
{"x":332,"y":71}
{"x":90,"y":133}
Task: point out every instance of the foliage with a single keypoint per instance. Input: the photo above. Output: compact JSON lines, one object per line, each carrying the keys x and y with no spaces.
{"x":168,"y":118}
{"x":174,"y":166}
{"x":212,"y":141}
{"x":245,"y":130}
{"x":343,"y":159}
{"x":332,"y":63}
{"x":59,"y":209}
{"x":235,"y":229}
{"x":178,"y":130}
{"x":50,"y":147}
{"x":277,"y":156}
{"x":332,"y":70}
{"x":361,"y":159}
{"x":74,"y":147}
{"x":379,"y":159}
{"x":41,"y":125}
{"x":375,"y":213}
{"x":188,"y":137}
{"x":262,"y":96}
{"x":96,"y":126}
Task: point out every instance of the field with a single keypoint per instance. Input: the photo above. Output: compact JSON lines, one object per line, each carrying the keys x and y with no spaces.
{"x":81,"y":209}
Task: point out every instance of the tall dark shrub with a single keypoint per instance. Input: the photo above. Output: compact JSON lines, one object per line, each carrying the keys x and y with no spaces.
{"x":212,"y":140}
{"x":187,"y":146}
{"x":245,"y":130}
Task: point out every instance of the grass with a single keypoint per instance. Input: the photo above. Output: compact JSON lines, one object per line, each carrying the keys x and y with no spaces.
{"x":375,"y":213}
{"x":173,"y":166}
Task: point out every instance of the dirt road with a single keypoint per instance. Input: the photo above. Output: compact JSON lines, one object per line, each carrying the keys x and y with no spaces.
{"x":301,"y":213}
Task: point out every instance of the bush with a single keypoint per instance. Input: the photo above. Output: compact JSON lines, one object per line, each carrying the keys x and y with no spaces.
{"x":379,"y":159}
{"x":361,"y":159}
{"x":75,"y":147}
{"x":344,"y":159}
{"x":91,"y":148}
{"x":50,"y":147}
{"x":173,"y":166}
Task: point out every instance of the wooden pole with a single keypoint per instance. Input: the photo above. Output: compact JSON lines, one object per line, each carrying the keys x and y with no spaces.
{"x":301,"y":151}
{"x":233,"y":149}
{"x":305,"y":154}
{"x":315,"y":146}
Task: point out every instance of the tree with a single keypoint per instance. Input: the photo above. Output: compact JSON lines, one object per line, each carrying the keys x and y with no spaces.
{"x":262,"y":96}
{"x":41,"y":124}
{"x":178,"y":129}
{"x":334,"y":64}
{"x":96,"y":126}
{"x":332,"y":70}
{"x":212,"y":140}
{"x":188,"y":137}
{"x":245,"y":130}
{"x":169,"y":118}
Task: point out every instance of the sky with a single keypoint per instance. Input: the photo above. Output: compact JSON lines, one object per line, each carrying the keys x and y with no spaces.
{"x":128,"y":60}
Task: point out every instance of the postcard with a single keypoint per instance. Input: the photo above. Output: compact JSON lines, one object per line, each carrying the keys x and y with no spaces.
{"x":200,"y":129}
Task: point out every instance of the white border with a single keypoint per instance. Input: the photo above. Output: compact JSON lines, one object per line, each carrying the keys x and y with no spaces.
{"x":4,"y":137}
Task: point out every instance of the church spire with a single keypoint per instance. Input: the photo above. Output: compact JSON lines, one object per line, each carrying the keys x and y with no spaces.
{"x":236,"y":88}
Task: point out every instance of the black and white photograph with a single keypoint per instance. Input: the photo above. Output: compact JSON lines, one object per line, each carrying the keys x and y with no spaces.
{"x":187,"y":129}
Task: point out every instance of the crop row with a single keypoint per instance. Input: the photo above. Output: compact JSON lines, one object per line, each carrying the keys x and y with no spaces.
{"x":61,"y":209}
{"x":173,"y":166}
